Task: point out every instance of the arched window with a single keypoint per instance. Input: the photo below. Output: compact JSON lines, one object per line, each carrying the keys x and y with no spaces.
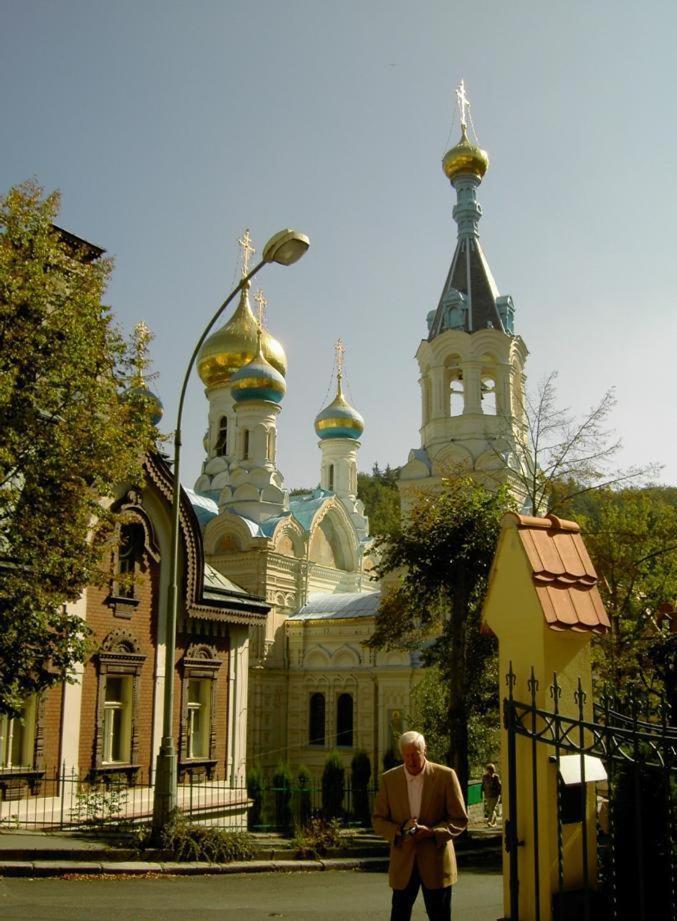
{"x":330,"y":480}
{"x":130,"y":552}
{"x":316,"y":719}
{"x":456,"y":397}
{"x":344,"y":720}
{"x":222,"y":437}
{"x":245,"y":444}
{"x":488,"y":395}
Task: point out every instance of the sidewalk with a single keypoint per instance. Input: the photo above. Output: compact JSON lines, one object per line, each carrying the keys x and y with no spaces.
{"x":59,"y":855}
{"x":42,"y":854}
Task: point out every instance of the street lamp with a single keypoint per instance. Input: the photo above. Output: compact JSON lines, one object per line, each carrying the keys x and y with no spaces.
{"x":285,"y":248}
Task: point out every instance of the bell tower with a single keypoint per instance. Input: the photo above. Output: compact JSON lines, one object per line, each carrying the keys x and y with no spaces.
{"x":471,"y":362}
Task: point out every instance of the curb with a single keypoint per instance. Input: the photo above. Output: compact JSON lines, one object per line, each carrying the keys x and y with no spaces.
{"x":61,"y":868}
{"x":58,"y":868}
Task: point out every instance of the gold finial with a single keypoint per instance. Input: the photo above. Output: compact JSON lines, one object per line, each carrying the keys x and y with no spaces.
{"x":142,"y":336}
{"x":260,"y":299}
{"x":463,"y":103}
{"x":245,"y":242}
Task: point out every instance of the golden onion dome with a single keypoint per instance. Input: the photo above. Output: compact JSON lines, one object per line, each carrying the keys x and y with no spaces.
{"x":257,"y":380}
{"x":235,"y":345}
{"x":465,"y":158}
{"x":339,"y":419}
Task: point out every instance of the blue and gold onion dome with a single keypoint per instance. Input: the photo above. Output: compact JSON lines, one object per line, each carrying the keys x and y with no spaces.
{"x":258,"y":379}
{"x":465,"y":157}
{"x":140,"y":392}
{"x":339,"y":419}
{"x":235,"y":345}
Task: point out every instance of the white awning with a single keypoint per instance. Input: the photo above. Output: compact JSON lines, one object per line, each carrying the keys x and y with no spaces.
{"x":570,"y":769}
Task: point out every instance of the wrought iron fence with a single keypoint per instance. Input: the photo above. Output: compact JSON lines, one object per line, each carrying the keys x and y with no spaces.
{"x":67,"y":800}
{"x":636,"y":803}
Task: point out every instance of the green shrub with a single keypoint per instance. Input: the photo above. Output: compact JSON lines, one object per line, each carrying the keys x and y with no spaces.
{"x":282,"y":790}
{"x":304,"y":781}
{"x":316,"y":837}
{"x":189,"y":842}
{"x":360,"y":772}
{"x":99,"y":805}
{"x":255,"y":788}
{"x":333,"y":786}
{"x":391,"y":759}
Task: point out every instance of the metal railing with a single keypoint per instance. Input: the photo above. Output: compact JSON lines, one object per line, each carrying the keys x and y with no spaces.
{"x":636,"y":803}
{"x":66,"y":800}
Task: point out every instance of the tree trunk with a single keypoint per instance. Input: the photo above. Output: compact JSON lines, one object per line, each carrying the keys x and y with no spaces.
{"x":456,"y":671}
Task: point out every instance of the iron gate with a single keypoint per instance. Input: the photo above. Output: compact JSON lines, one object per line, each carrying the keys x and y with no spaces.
{"x":636,"y":849}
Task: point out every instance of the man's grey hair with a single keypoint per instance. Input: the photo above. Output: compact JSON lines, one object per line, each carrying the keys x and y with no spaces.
{"x":412,"y":738}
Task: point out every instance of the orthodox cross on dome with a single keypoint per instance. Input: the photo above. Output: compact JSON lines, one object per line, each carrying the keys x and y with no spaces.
{"x":340,"y":352}
{"x":142,"y":335}
{"x":260,"y":299}
{"x":245,"y":242}
{"x":463,"y":103}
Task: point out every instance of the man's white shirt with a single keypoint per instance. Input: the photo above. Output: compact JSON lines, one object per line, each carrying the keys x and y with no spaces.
{"x":415,"y":792}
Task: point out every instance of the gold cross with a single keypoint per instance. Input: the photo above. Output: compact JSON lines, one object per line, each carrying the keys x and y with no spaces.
{"x":248,"y":250}
{"x":463,"y":103}
{"x":340,"y":352}
{"x":260,"y":299}
{"x":142,"y":336}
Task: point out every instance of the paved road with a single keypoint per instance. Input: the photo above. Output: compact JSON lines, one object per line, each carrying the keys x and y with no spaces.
{"x":320,"y":896}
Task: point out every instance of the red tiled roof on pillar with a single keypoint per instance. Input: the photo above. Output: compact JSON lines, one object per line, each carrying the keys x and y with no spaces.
{"x":564,"y":577}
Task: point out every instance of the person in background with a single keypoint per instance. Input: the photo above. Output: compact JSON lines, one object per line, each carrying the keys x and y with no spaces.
{"x":419,"y":809}
{"x":491,"y":788}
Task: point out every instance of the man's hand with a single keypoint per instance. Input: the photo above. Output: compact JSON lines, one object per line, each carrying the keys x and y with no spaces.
{"x":422,"y":832}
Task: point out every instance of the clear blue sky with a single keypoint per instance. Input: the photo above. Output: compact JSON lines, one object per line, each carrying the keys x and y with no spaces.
{"x":170,"y":126}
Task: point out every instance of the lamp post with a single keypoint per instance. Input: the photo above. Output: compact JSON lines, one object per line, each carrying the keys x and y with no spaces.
{"x":285,"y":248}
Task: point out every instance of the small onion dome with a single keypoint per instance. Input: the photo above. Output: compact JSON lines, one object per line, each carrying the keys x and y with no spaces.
{"x":257,"y":380}
{"x":141,"y":393}
{"x":339,"y":419}
{"x":234,"y":345}
{"x":465,"y":158}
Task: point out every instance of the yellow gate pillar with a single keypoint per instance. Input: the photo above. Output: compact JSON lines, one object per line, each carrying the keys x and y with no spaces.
{"x":543,"y":605}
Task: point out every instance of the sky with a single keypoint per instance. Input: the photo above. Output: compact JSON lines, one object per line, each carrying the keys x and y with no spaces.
{"x":170,"y":126}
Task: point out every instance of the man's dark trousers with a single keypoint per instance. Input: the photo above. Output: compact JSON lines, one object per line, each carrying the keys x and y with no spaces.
{"x":437,"y":901}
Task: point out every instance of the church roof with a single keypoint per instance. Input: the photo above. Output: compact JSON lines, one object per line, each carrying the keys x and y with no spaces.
{"x":215,"y":583}
{"x":322,"y":606}
{"x":470,"y":274}
{"x":204,"y":508}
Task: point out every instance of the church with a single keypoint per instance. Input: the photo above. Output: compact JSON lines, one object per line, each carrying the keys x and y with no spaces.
{"x":277,"y":598}
{"x":314,"y":685}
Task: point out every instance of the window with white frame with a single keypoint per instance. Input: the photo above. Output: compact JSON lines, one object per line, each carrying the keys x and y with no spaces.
{"x":198,"y":717}
{"x":197,"y":737}
{"x":117,"y":719}
{"x":17,"y":737}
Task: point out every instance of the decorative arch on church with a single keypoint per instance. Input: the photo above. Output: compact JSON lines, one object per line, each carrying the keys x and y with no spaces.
{"x":453,"y":458}
{"x":333,"y":541}
{"x":226,"y":534}
{"x":316,"y":657}
{"x":346,"y":657}
{"x":289,"y":538}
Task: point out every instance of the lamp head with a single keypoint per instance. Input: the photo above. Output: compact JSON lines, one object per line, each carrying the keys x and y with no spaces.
{"x":285,"y":247}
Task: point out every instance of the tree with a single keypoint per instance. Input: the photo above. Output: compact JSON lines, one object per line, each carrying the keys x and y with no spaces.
{"x":631,"y":536}
{"x":441,"y":559}
{"x":560,"y":456}
{"x":68,"y":435}
{"x":378,"y":490}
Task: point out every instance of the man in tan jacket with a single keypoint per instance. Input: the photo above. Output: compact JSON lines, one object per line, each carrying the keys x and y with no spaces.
{"x":419,"y":809}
